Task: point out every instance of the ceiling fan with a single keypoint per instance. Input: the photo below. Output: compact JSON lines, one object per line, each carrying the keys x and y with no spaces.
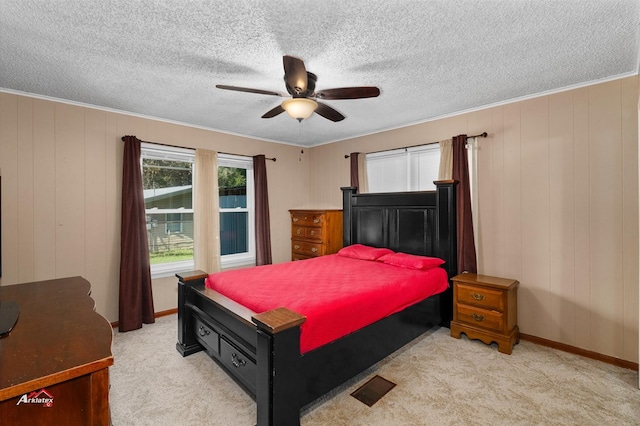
{"x":301,"y":85}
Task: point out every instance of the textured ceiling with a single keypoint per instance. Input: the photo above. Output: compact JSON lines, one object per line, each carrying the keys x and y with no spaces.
{"x":163,"y":58}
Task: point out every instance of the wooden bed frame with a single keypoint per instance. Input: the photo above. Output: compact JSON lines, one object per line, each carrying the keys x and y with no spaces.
{"x":262,"y":351}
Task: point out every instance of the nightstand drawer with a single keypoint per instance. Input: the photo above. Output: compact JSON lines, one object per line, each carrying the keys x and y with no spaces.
{"x":479,"y":296}
{"x":480,"y":317}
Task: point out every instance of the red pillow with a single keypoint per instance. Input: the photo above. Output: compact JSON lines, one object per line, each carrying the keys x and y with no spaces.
{"x":412,"y":261}
{"x":360,"y":251}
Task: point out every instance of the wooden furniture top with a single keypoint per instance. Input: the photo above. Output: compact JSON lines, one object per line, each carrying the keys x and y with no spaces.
{"x":58,"y":336}
{"x":279,"y":319}
{"x":486,"y":280}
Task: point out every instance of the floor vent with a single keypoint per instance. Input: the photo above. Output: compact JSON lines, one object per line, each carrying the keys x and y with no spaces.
{"x":373,"y":390}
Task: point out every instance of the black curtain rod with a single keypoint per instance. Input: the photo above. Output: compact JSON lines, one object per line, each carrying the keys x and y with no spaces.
{"x":176,"y":146}
{"x":481,"y":135}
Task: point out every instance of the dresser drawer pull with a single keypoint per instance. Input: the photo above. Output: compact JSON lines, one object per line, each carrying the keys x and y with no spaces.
{"x":312,"y":233}
{"x":203,"y":331}
{"x":295,"y":219}
{"x":477,"y":296}
{"x":314,"y":249}
{"x":296,"y":246}
{"x":237,"y":362}
{"x":477,"y":317}
{"x":316,"y":220}
{"x":298,"y":231}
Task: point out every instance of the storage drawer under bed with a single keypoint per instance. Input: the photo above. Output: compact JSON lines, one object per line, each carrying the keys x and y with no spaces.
{"x":228,"y":353}
{"x":207,"y":336}
{"x":242,"y":366}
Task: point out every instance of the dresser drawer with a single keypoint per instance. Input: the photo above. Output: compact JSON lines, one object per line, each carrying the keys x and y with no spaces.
{"x":296,"y":256}
{"x":480,"y":296}
{"x":307,"y":219}
{"x":307,"y":248}
{"x":479,"y":317}
{"x":240,"y":364}
{"x":307,"y":232}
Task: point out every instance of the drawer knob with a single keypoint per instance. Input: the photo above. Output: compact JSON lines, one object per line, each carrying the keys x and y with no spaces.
{"x":314,"y":249}
{"x":298,"y":231}
{"x":203,"y":331}
{"x":312,"y":233}
{"x":295,"y":219}
{"x":477,"y":296}
{"x":237,"y":362}
{"x":296,"y":246}
{"x":477,"y":317}
{"x":316,"y":220}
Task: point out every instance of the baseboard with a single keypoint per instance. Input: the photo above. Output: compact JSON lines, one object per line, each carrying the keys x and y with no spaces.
{"x":156,"y":315}
{"x":167,"y":312}
{"x":582,"y":352}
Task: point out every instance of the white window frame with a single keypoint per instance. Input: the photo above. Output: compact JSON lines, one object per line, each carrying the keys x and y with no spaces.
{"x":411,"y":181}
{"x":249,"y":257}
{"x":411,"y":184}
{"x":161,"y":152}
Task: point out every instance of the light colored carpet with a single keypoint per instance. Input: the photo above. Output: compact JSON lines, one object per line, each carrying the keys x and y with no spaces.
{"x":440,"y":381}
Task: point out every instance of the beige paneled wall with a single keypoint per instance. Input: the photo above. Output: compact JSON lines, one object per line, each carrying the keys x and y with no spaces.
{"x":61,"y":169}
{"x":557,"y":182}
{"x":557,"y":209}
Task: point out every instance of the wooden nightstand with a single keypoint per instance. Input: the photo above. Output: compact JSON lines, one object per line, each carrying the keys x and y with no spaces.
{"x":486,"y":308}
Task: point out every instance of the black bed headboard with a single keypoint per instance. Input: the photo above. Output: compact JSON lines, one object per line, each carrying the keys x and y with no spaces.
{"x":421,"y":223}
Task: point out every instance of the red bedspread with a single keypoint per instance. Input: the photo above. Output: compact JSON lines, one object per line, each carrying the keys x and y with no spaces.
{"x":337,"y":294}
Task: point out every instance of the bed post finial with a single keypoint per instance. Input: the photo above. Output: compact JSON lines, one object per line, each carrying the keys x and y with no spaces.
{"x":347,"y":193}
{"x":447,"y":240}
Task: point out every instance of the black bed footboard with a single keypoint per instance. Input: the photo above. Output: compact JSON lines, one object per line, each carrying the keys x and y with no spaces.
{"x":261,"y":352}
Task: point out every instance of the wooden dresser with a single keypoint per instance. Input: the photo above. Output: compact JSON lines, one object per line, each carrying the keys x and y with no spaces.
{"x":485,"y":308}
{"x":315,"y":233}
{"x":54,"y":365}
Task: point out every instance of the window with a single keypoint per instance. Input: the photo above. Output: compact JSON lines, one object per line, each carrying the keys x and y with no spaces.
{"x":167,"y":175}
{"x":237,"y":222}
{"x":167,"y":179}
{"x":415,"y":169}
{"x":406,"y":169}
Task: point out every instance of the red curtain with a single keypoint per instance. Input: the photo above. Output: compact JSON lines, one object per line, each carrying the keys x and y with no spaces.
{"x":355,"y":180}
{"x":466,"y":246}
{"x":136,"y":298}
{"x":263,"y":232}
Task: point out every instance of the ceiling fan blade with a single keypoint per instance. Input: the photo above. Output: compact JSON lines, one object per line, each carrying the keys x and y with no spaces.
{"x":329,"y":113}
{"x":273,"y":112}
{"x":349,"y":93}
{"x":295,"y":75}
{"x":248,"y":90}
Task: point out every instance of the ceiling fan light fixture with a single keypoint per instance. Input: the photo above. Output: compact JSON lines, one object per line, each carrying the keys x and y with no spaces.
{"x":299,"y":108}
